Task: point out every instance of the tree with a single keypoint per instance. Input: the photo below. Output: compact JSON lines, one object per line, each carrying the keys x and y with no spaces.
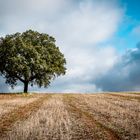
{"x":30,"y":57}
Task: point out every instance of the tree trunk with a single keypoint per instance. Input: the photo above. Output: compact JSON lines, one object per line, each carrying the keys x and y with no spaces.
{"x":26,"y":87}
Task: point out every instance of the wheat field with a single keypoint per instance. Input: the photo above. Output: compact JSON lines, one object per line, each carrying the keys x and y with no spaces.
{"x":106,"y":116}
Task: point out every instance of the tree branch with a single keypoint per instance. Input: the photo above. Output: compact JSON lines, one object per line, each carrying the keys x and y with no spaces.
{"x":20,"y":78}
{"x":32,"y":77}
{"x":15,"y":75}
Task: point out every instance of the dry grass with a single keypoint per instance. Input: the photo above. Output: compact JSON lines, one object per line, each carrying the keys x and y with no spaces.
{"x":89,"y":127}
{"x":70,"y":117}
{"x":123,"y":120}
{"x":6,"y":105}
{"x":127,"y":96}
{"x":20,"y":113}
{"x":51,"y":121}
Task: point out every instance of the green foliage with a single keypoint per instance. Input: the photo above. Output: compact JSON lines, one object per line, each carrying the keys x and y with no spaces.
{"x":30,"y":57}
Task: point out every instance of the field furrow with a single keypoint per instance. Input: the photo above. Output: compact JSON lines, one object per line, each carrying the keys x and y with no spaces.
{"x":50,"y":122}
{"x":7,"y":105}
{"x":127,"y":97}
{"x":70,"y":117}
{"x":118,"y":102}
{"x":20,"y":113}
{"x":97,"y":130}
{"x":121,"y":121}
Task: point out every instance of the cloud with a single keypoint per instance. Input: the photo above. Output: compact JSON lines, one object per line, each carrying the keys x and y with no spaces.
{"x":82,"y":29}
{"x":124,"y":76}
{"x":90,"y":22}
{"x":19,"y":15}
{"x":83,"y":68}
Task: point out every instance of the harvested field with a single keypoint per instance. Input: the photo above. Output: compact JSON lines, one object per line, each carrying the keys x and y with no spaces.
{"x":6,"y":106}
{"x":113,"y":116}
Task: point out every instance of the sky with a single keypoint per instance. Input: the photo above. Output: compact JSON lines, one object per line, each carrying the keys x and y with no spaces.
{"x":99,"y":38}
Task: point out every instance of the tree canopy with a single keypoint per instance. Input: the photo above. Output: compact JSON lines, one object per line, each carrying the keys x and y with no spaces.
{"x":30,"y":57}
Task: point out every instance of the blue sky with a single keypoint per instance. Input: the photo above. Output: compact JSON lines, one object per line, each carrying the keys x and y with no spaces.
{"x":132,"y":8}
{"x":130,"y":22}
{"x":98,"y":38}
